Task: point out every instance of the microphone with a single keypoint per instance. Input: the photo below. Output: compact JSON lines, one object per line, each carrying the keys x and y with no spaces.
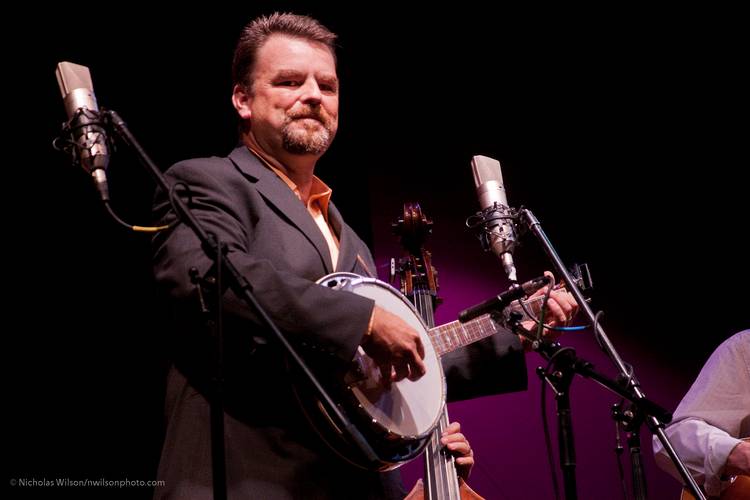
{"x":499,"y":230}
{"x":88,"y":136}
{"x":503,"y":300}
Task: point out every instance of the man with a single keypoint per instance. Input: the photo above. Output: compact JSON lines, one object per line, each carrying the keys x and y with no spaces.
{"x":283,"y":234}
{"x":712,"y":418}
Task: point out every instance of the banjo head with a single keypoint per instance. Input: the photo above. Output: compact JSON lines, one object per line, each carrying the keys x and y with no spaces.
{"x":402,"y":413}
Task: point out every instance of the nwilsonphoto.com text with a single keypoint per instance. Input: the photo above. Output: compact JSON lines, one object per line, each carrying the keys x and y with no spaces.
{"x":66,"y":482}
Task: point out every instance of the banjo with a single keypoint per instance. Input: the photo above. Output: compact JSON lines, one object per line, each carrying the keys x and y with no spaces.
{"x":396,"y":418}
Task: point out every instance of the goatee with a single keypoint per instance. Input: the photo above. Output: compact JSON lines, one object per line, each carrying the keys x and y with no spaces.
{"x":301,"y":137}
{"x":305,"y":141}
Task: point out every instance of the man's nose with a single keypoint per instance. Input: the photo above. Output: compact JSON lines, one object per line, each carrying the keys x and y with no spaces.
{"x":311,"y":92}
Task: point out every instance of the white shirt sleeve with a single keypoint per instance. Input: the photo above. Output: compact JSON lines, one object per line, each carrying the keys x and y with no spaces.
{"x":711,"y":417}
{"x":702,"y":447}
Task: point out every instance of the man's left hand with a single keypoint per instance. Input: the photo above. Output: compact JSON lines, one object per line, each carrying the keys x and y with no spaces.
{"x":561,"y":309}
{"x":460,"y":448}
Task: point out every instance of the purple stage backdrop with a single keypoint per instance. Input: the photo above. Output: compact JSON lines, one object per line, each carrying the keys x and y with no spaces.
{"x":506,"y":431}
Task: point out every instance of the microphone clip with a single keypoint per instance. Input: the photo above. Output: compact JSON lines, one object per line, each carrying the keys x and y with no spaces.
{"x":91,"y":150}
{"x":494,"y":221}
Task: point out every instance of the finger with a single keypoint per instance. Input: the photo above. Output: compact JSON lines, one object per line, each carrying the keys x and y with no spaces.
{"x":459,"y":451}
{"x":462,"y":446}
{"x":452,"y":428}
{"x":573,"y":302}
{"x":550,"y":275}
{"x":401,"y":371}
{"x":385,"y":372}
{"x":556,"y":311}
{"x":414,"y":373}
{"x":562,"y":300}
{"x":465,"y":461}
{"x":418,"y":368}
{"x":569,"y":304}
{"x":420,"y":347}
{"x":453,"y":438}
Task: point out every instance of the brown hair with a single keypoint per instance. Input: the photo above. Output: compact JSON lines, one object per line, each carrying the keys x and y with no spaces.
{"x":257,"y":32}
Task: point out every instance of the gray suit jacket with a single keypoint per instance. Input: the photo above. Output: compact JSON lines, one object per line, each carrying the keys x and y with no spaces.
{"x":271,"y":450}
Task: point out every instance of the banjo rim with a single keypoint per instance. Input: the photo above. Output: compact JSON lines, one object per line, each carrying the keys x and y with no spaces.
{"x":352,"y":281}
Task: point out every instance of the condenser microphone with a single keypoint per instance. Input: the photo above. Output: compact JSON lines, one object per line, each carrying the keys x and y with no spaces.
{"x":88,"y":136}
{"x":503,"y":300}
{"x":498,"y":226}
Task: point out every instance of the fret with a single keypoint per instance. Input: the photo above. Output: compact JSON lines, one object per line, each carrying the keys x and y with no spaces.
{"x":530,"y":304}
{"x":463,"y":335}
{"x":453,"y":335}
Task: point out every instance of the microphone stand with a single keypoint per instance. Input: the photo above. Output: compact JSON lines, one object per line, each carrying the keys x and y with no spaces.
{"x":654,"y":416}
{"x":242,"y":288}
{"x":559,"y":379}
{"x":565,"y":364}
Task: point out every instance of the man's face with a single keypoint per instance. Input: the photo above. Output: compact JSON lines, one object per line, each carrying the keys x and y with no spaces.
{"x":294,"y":99}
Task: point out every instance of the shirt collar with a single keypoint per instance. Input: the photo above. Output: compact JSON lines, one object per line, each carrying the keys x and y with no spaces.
{"x":320,"y":193}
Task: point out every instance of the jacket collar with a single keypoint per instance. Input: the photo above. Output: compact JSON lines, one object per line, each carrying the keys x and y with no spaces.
{"x":276,"y":192}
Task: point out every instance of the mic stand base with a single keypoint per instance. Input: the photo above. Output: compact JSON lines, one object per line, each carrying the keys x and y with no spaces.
{"x":563,"y":361}
{"x":636,"y":465}
{"x":559,"y":380}
{"x":632,"y":419}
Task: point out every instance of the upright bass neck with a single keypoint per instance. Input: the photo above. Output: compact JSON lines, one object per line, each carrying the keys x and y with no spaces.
{"x":419,"y":284}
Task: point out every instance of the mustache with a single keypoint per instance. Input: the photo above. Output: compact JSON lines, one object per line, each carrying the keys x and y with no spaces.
{"x":314,"y":113}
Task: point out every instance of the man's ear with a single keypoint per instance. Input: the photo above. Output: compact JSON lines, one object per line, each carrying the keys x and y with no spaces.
{"x":241,"y":101}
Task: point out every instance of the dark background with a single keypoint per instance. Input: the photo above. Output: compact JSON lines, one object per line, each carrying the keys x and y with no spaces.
{"x":623,"y":130}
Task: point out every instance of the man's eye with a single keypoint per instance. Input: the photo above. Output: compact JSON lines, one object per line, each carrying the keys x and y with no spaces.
{"x":289,"y":83}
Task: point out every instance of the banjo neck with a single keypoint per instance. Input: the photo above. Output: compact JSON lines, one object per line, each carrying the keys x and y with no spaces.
{"x":454,"y":335}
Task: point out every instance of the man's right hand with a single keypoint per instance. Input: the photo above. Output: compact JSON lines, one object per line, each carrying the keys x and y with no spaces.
{"x":738,"y":461}
{"x":395,"y":347}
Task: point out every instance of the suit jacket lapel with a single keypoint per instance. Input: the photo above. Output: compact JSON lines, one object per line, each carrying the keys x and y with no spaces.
{"x":276,"y":192}
{"x":351,"y":248}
